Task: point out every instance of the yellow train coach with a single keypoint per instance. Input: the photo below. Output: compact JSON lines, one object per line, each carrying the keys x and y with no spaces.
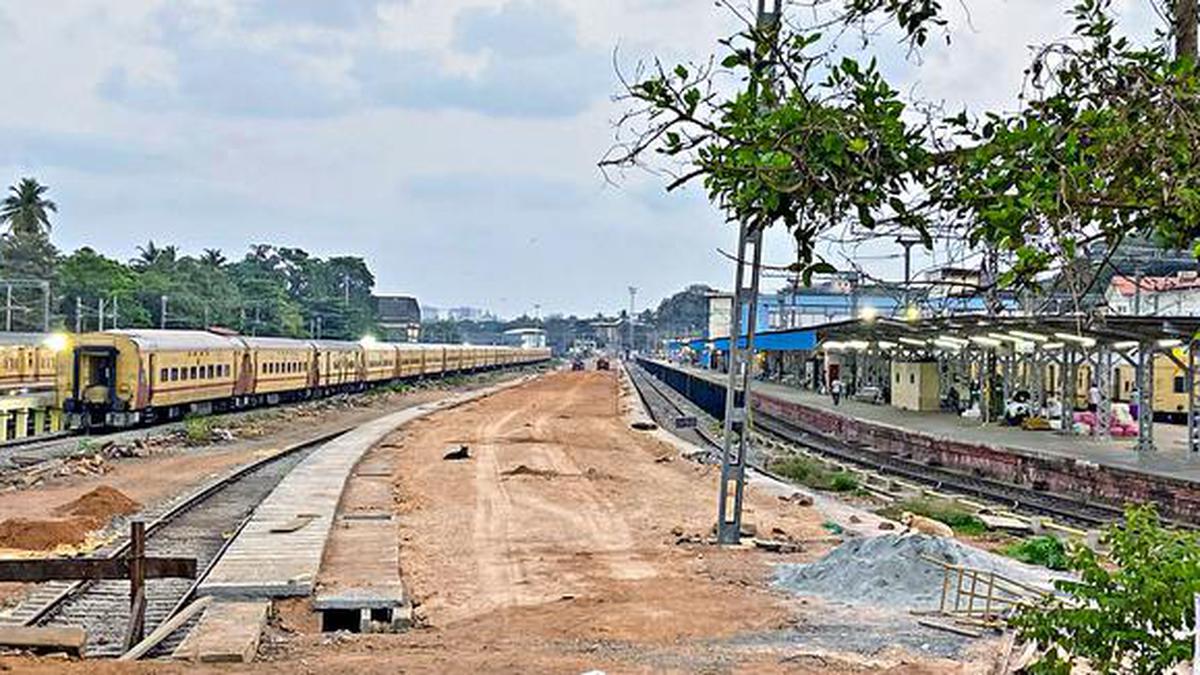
{"x":126,"y":377}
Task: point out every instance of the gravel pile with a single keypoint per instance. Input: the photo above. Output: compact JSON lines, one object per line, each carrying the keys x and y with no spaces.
{"x":888,"y":571}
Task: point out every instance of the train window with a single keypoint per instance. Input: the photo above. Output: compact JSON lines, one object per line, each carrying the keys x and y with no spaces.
{"x":174,"y":374}
{"x":211,"y":372}
{"x":1180,"y":385}
{"x":193,"y":372}
{"x":183,"y":373}
{"x":164,"y":375}
{"x":264,"y":368}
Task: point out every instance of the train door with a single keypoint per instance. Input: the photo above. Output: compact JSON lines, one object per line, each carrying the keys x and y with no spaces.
{"x":245,"y":376}
{"x":95,"y":375}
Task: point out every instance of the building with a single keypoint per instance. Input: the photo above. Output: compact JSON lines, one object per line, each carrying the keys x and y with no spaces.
{"x":1174,"y":295}
{"x":609,"y":332}
{"x":467,"y":314}
{"x":720,"y":314}
{"x":526,"y":338}
{"x":399,"y":318}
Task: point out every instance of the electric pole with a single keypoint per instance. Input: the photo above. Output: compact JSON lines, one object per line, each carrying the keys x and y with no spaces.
{"x":741,"y":360}
{"x":162,"y":312}
{"x":632,"y":299}
{"x":100,"y":313}
{"x":78,"y":314}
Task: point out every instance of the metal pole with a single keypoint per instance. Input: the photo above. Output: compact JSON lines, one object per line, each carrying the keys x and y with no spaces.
{"x":100,"y":312}
{"x":162,"y":312}
{"x":632,"y":298}
{"x":733,"y":457}
{"x":45,"y":306}
{"x":114,"y":313}
{"x":78,"y":314}
{"x":8,"y":309}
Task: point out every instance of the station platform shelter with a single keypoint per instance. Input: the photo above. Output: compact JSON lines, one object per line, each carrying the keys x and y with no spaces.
{"x":1121,"y":391}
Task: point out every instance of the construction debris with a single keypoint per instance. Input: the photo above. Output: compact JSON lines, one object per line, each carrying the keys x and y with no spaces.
{"x":888,"y":570}
{"x":461,"y":453}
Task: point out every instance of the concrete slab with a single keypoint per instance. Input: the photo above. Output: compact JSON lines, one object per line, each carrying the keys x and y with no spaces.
{"x":228,"y":632}
{"x":361,"y":568}
{"x":271,"y":559}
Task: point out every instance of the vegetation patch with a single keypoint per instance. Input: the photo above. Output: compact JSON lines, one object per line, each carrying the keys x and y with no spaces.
{"x":816,"y":475}
{"x":1043,"y":550}
{"x":959,"y":518}
{"x":198,"y":430}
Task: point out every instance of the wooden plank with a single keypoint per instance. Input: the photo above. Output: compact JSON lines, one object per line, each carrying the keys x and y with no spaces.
{"x":44,"y":638}
{"x":52,"y":569}
{"x":165,"y":629}
{"x":950,"y":628}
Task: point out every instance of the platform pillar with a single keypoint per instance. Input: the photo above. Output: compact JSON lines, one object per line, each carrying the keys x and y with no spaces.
{"x":4,"y":436}
{"x":56,"y":423}
{"x":1103,"y":378}
{"x":1193,"y":377}
{"x":1145,"y":385}
{"x":39,"y":421}
{"x":22,"y":423}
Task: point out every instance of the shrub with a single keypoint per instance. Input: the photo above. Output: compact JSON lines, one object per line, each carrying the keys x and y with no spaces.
{"x":198,"y":430}
{"x":1045,"y":551}
{"x":1131,"y":613}
{"x":815,"y":475}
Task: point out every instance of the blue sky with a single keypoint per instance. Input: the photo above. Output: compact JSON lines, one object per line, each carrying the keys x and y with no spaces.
{"x":451,"y":142}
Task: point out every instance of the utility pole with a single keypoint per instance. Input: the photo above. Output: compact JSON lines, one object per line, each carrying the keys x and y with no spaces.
{"x":632,"y":299}
{"x":8,"y":309}
{"x":162,"y":312}
{"x":907,"y":243}
{"x":346,"y":288}
{"x":78,"y":314}
{"x":115,"y":325}
{"x":741,"y":360}
{"x":206,"y":323}
{"x":45,"y":306}
{"x":100,"y":313}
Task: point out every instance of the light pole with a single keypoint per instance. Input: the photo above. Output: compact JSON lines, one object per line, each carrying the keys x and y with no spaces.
{"x":162,"y":312}
{"x":632,"y":299}
{"x":741,"y":364}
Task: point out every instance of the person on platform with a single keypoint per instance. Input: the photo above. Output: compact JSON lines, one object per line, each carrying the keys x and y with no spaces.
{"x":835,"y":390}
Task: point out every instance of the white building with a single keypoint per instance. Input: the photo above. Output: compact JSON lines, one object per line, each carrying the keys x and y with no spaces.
{"x":527,"y":338}
{"x":1177,"y":295}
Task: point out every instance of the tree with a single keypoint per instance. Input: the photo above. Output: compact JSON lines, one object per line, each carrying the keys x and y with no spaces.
{"x":213,"y":257}
{"x":684,"y":314}
{"x":1131,"y":613}
{"x":819,"y":142}
{"x":26,"y":211}
{"x":89,"y":277}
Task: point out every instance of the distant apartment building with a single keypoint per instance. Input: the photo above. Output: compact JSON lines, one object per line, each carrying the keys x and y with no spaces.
{"x":399,"y":318}
{"x":526,"y":338}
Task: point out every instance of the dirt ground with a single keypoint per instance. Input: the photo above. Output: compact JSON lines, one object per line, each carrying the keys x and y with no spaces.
{"x":555,"y":548}
{"x":568,"y":542}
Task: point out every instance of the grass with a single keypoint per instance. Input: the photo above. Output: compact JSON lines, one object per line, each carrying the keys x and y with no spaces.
{"x":959,"y":518}
{"x":1045,"y":551}
{"x":815,"y":475}
{"x":198,"y":429}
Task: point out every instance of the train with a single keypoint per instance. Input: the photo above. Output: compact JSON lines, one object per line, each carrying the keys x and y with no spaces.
{"x":125,"y":378}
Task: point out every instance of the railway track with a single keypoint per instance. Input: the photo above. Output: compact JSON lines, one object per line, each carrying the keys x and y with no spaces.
{"x":770,"y":431}
{"x":198,"y":525}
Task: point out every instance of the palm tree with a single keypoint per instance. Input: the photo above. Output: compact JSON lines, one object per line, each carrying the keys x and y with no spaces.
{"x":213,"y":257}
{"x":26,"y":210}
{"x":152,"y":255}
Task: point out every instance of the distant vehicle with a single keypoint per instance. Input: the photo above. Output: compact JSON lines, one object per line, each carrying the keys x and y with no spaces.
{"x":577,"y":364}
{"x":601,"y":363}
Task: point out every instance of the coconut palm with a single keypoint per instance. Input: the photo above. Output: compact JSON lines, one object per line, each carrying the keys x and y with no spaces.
{"x":213,"y":257}
{"x":26,"y":211}
{"x":153,"y":255}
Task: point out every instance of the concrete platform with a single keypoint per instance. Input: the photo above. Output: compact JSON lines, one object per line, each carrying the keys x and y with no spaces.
{"x":359,"y":579}
{"x":228,"y":632}
{"x":1109,"y":470}
{"x":278,"y":553}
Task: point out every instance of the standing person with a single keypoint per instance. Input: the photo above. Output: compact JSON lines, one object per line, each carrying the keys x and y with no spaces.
{"x":835,"y":390}
{"x":1094,"y":398}
{"x":1135,"y":400}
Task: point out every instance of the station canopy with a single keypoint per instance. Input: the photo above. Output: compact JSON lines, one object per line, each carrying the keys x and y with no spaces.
{"x":952,"y":333}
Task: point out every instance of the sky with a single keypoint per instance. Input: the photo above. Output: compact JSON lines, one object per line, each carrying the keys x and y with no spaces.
{"x":452,"y":143}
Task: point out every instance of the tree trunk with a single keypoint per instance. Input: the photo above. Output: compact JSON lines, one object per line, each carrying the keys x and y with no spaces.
{"x":1185,"y":28}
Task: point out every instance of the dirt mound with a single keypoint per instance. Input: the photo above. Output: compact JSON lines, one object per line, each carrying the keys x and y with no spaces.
{"x":888,"y":570}
{"x":522,"y":470}
{"x":100,"y":504}
{"x":44,"y":535}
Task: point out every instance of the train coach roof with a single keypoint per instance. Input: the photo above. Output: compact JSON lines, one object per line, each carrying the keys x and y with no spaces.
{"x":177,"y":340}
{"x":7,"y":339}
{"x":335,"y":344}
{"x":274,"y":342}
